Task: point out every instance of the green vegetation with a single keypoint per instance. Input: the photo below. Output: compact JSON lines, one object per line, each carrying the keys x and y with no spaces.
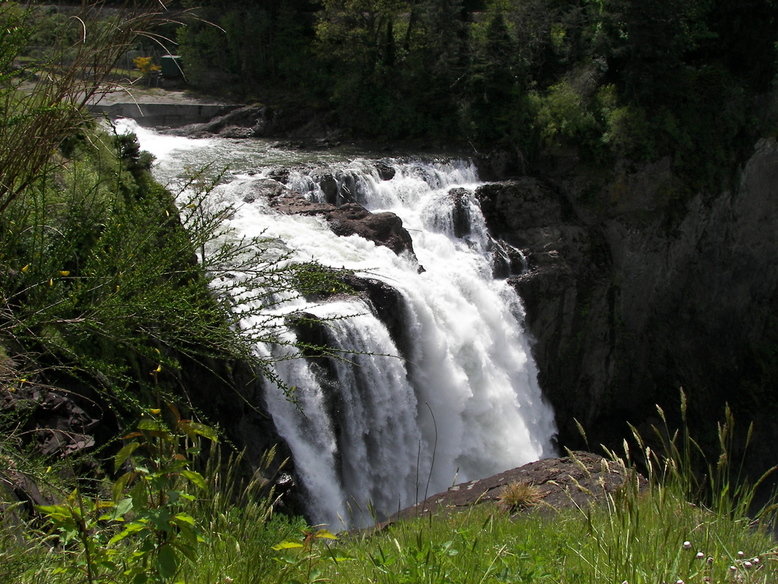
{"x":161,"y":521}
{"x":102,"y":290}
{"x":641,"y":79}
{"x":107,"y":290}
{"x":107,"y":294}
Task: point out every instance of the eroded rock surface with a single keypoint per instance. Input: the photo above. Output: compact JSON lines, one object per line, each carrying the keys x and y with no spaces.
{"x":571,"y":481}
{"x":351,"y":219}
{"x":636,"y":291}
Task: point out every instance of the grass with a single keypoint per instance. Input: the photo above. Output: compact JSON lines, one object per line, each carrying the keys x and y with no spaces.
{"x":638,"y":535}
{"x":517,"y":496}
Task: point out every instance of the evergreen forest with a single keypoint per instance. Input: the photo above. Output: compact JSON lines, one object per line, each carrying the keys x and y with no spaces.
{"x":606,"y":78}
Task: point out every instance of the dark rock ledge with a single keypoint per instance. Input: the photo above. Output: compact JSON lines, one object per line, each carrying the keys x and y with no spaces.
{"x":572,"y":481}
{"x":384,"y":229}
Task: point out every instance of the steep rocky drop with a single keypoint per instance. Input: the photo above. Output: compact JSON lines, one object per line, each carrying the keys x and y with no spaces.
{"x":632,"y":301}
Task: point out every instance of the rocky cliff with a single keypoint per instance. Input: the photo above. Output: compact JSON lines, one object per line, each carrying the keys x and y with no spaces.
{"x":634,"y":291}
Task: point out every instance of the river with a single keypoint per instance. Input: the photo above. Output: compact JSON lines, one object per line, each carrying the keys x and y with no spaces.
{"x":459,"y":402}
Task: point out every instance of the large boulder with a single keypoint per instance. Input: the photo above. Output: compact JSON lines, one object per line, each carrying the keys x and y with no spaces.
{"x":384,"y":229}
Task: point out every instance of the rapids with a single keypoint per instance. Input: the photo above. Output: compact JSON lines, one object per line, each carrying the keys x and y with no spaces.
{"x":460,"y":402}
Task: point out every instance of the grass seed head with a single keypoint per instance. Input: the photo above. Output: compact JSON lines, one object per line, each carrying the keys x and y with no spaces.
{"x":517,"y":495}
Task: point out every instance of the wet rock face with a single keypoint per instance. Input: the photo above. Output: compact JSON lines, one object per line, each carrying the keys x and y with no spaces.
{"x":564,"y":290}
{"x":643,"y":295}
{"x":384,"y":229}
{"x":460,"y":212}
{"x":388,"y":305}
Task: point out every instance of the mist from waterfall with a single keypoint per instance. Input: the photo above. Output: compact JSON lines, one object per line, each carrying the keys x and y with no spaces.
{"x":394,"y":420}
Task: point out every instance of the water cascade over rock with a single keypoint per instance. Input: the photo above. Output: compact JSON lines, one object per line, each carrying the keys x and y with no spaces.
{"x":436,"y":384}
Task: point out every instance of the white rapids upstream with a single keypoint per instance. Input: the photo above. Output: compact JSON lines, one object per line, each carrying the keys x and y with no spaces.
{"x":461,"y":403}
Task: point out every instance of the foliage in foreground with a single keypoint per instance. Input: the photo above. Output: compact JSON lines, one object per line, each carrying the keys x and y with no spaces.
{"x":222,"y":530}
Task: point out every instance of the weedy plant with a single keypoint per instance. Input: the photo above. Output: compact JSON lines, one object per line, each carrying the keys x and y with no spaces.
{"x":44,"y":103}
{"x":306,"y":554}
{"x":695,"y":513}
{"x":145,"y":530}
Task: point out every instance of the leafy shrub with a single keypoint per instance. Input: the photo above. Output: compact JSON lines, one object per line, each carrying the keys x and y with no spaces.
{"x":567,"y":116}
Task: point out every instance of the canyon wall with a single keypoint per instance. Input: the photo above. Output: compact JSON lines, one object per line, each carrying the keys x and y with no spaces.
{"x":634,"y":292}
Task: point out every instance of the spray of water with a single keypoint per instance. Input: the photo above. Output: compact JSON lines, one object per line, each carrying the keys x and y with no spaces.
{"x":456,"y":398}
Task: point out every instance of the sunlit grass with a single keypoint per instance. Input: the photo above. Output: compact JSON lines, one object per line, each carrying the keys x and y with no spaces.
{"x":638,"y":543}
{"x":649,"y":531}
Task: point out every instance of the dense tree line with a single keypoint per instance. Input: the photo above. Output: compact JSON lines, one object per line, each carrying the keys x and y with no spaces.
{"x":643,"y":78}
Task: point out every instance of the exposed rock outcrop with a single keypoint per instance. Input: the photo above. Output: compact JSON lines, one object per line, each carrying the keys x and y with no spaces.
{"x":352,"y":219}
{"x":250,"y":121}
{"x":630,"y":300}
{"x":302,"y":128}
{"x":388,"y":305}
{"x":460,"y":213}
{"x":571,"y":481}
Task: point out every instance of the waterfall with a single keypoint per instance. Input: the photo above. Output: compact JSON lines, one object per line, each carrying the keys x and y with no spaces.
{"x":455,"y":399}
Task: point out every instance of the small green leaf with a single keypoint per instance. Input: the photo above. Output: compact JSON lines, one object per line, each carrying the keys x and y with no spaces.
{"x":121,"y":483}
{"x":195,"y":478}
{"x":131,"y":528}
{"x":185,"y":517}
{"x":148,"y":424}
{"x":324,"y":534}
{"x":122,"y":507}
{"x":287,"y":545}
{"x":53,"y":509}
{"x":124,"y":454}
{"x":193,"y":429}
{"x":167,"y":562}
{"x":187,"y":551}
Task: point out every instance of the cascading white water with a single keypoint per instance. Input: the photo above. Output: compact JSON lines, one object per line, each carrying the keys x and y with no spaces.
{"x":462,"y":401}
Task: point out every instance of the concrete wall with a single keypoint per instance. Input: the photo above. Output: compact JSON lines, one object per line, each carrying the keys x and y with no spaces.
{"x":162,"y":114}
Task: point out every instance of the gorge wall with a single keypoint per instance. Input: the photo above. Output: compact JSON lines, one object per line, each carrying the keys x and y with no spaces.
{"x":632,"y":299}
